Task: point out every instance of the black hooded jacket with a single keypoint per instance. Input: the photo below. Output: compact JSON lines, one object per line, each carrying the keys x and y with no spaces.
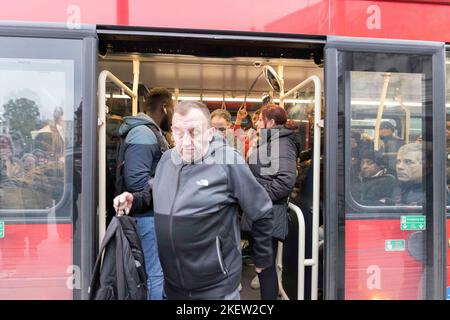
{"x":273,"y":163}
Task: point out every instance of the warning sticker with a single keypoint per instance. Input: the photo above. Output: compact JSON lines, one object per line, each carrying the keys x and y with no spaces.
{"x":412,"y":223}
{"x":394,"y":245}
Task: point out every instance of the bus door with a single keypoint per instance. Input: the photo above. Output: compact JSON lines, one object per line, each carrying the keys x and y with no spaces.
{"x":385,"y":187}
{"x":47,"y":157}
{"x":447,"y":131}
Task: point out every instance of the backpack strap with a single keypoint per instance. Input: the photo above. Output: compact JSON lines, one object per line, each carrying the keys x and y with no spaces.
{"x":120,"y":268}
{"x":162,"y":142}
{"x":120,"y":155}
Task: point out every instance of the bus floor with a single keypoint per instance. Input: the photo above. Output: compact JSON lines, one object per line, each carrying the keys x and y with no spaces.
{"x":248,"y":293}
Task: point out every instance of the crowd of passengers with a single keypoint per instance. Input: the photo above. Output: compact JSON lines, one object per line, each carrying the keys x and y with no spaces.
{"x":391,"y":175}
{"x":31,"y":174}
{"x":204,"y":195}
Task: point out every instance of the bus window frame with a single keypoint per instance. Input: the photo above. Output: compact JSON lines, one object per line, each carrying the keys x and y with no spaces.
{"x":335,"y":214}
{"x":447,"y":99}
{"x":356,"y":209}
{"x":22,"y":215}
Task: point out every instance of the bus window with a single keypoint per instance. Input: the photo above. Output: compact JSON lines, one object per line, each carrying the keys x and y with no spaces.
{"x":36,"y":113}
{"x":385,"y":148}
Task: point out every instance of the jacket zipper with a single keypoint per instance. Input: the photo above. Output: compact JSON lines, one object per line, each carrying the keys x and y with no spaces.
{"x":219,"y":255}
{"x":177,"y":261}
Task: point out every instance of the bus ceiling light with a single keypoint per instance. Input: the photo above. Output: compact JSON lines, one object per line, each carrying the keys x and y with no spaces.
{"x":387,"y":103}
{"x":220,"y":99}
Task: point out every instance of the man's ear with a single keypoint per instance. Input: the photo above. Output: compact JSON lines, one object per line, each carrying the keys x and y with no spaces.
{"x":211,"y":132}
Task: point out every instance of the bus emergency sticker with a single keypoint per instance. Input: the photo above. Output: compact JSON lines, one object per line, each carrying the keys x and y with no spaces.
{"x":2,"y":229}
{"x":394,"y":245}
{"x":412,"y":223}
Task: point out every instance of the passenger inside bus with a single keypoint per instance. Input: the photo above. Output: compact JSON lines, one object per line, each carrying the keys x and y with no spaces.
{"x":390,"y":145}
{"x":221,"y":121}
{"x":375,"y":184}
{"x":409,"y":174}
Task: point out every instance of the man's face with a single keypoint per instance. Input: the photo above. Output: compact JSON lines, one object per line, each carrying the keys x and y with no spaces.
{"x":191,"y":135}
{"x":29,"y":163}
{"x":369,"y":168}
{"x":385,"y":132}
{"x":409,"y":166}
{"x":220,"y":124}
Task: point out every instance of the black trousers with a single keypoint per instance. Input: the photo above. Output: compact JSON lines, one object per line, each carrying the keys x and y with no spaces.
{"x":268,"y":279}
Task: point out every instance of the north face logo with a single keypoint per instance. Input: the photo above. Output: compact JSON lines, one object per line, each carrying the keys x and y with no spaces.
{"x":203,"y":182}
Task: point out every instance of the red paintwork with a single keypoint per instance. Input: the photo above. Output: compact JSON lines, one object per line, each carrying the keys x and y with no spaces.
{"x":416,"y":20}
{"x":400,"y":273}
{"x":34,"y":261}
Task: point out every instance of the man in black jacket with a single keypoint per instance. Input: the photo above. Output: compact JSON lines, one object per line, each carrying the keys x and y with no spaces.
{"x":375,"y":185}
{"x":197,"y":191}
{"x":142,"y":150}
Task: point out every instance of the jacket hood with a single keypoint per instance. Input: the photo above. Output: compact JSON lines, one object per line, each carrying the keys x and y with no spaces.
{"x":130,"y":122}
{"x":280,"y":131}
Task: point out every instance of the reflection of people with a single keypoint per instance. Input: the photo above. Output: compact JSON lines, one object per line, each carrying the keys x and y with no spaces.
{"x":57,"y":129}
{"x":10,"y":167}
{"x":391,"y":143}
{"x":409,"y":175}
{"x":196,"y":219}
{"x":29,"y":162}
{"x":376,"y":185}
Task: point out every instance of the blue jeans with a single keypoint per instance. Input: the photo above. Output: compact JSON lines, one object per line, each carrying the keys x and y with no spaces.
{"x":146,"y":229}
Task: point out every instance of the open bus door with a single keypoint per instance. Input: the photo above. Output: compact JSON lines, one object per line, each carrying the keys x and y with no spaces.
{"x":393,"y":247}
{"x":302,"y":250}
{"x":47,"y":203}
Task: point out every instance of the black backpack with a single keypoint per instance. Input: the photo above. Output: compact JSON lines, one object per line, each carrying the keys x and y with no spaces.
{"x":120,"y":157}
{"x":120,"y":275}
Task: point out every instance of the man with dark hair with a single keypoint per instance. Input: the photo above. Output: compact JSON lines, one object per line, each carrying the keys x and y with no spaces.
{"x":143,"y":147}
{"x":376,"y":185}
{"x":197,"y":194}
{"x":158,"y":103}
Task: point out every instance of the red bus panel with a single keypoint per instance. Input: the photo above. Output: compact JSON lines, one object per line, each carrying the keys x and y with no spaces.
{"x":424,"y":20}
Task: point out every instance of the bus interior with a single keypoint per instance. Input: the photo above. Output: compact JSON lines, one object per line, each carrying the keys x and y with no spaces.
{"x":234,"y":72}
{"x":221,"y":75}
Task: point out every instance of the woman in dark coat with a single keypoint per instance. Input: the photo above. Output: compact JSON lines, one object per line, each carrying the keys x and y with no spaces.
{"x":273,"y":163}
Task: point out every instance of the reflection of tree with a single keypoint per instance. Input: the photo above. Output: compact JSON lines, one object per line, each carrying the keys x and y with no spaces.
{"x":22,"y":115}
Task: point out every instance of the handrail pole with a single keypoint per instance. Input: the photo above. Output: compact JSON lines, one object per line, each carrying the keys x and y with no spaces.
{"x":318,"y":124}
{"x":301,"y":252}
{"x":136,"y":69}
{"x":101,"y":122}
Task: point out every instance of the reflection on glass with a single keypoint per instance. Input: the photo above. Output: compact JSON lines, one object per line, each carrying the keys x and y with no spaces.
{"x":386,"y":138}
{"x":36,"y":109}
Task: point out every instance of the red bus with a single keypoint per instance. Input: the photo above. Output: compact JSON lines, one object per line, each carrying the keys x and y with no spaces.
{"x":69,"y":71}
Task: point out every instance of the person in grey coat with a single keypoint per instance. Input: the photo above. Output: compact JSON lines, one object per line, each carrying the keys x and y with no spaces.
{"x":273,"y":164}
{"x":197,"y":191}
